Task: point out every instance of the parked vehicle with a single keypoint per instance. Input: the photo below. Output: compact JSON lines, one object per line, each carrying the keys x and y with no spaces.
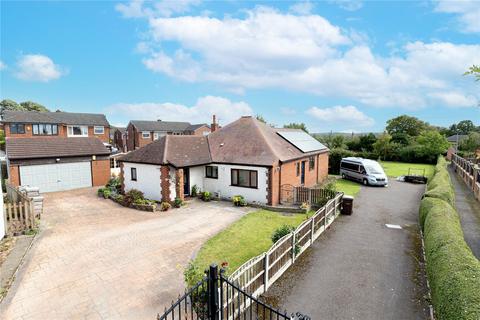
{"x":369,"y":172}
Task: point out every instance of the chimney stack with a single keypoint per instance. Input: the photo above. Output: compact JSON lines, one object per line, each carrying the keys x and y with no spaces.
{"x":214,"y":126}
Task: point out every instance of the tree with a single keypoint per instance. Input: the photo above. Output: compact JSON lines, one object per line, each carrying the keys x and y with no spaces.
{"x":33,"y":106}
{"x":471,"y":143}
{"x":296,"y":126}
{"x":465,"y":127}
{"x":366,"y":142}
{"x":11,"y":105}
{"x":474,"y":71}
{"x":383,"y":145}
{"x":406,"y":126}
{"x":432,"y":144}
{"x":261,"y":118}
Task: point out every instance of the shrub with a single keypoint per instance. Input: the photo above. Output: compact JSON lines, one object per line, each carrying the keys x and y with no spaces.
{"x":206,"y":196}
{"x":178,"y":203}
{"x":452,"y":269}
{"x":243,"y":203}
{"x":194,"y":190}
{"x":335,"y":157}
{"x":118,"y":198}
{"x":237,"y":200}
{"x":165,"y":206}
{"x":132,"y":196}
{"x":192,"y":274}
{"x":100,"y":192}
{"x":282,"y":231}
{"x":107,"y":193}
{"x":115,"y":183}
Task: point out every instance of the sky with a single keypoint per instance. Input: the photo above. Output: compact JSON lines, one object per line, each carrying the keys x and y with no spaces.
{"x":336,"y":65}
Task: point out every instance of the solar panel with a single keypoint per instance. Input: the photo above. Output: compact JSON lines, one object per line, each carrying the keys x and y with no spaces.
{"x":302,"y":140}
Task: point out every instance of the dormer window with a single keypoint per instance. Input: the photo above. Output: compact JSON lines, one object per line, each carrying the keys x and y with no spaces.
{"x":17,"y":128}
{"x":77,"y":131}
{"x":44,"y":129}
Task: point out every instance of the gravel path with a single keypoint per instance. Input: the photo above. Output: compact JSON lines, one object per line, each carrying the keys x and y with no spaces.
{"x":469,"y":210}
{"x":360,"y":269}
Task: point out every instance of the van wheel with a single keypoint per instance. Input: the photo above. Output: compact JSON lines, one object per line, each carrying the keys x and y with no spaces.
{"x":365,"y":182}
{"x":344,"y":176}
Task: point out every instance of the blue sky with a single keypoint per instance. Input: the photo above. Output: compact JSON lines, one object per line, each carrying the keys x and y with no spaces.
{"x":336,"y":65}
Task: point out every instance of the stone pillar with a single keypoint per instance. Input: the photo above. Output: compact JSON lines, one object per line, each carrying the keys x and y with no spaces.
{"x":179,"y":184}
{"x":165,"y":183}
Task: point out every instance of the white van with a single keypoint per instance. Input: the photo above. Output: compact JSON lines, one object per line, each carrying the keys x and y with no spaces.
{"x":367,"y":171}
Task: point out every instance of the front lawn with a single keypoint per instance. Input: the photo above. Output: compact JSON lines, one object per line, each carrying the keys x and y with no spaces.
{"x":348,"y":187}
{"x":245,"y":239}
{"x":395,"y":169}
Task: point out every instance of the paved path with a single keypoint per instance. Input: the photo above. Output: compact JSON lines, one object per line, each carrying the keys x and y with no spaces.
{"x":97,"y":260}
{"x":469,"y":210}
{"x":359,"y":269}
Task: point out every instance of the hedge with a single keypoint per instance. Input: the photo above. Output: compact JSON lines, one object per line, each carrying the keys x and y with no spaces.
{"x":452,"y":269}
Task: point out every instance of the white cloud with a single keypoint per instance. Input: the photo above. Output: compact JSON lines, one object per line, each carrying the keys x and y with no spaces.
{"x":150,"y":9}
{"x":349,"y":5}
{"x":37,"y":67}
{"x":341,"y":115}
{"x":454,"y":99}
{"x":302,"y":8}
{"x":467,"y":11}
{"x":201,"y":112}
{"x":306,"y":53}
{"x":2,"y":65}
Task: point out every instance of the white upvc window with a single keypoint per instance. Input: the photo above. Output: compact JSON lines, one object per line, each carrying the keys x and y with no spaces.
{"x":158,"y":135}
{"x":98,"y":130}
{"x":77,"y":131}
{"x":145,"y":134}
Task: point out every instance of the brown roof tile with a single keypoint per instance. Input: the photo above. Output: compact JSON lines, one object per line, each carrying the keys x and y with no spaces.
{"x":31,"y":148}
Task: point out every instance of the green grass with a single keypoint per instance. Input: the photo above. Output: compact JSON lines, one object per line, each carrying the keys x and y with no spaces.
{"x":348,"y":187}
{"x":244,"y":239}
{"x":395,"y":169}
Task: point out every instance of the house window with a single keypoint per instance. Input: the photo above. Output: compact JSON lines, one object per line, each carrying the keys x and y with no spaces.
{"x":211,"y":172}
{"x":98,"y":130}
{"x":17,"y":128}
{"x":158,"y":135}
{"x":244,"y":178}
{"x":77,"y":131}
{"x":311,"y":163}
{"x":133,"y":174}
{"x":42,"y":129}
{"x":298,"y":169}
{"x":145,"y":134}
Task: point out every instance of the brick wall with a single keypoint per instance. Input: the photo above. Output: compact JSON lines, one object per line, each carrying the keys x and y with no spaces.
{"x":14,"y":175}
{"x":179,"y":184}
{"x":62,"y":132}
{"x":165,"y":183}
{"x":105,"y":137}
{"x":322,"y":167}
{"x":100,"y":172}
{"x":274,"y":186}
{"x":201,"y":131}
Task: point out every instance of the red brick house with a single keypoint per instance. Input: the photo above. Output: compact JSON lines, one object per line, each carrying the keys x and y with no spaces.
{"x":120,"y":139}
{"x":140,"y":133}
{"x":246,"y":157}
{"x":56,"y":150}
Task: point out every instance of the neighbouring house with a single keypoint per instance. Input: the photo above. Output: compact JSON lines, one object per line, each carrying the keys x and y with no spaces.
{"x":120,"y":139}
{"x":454,"y":141}
{"x":57,"y":151}
{"x":246,"y":157}
{"x":140,"y":133}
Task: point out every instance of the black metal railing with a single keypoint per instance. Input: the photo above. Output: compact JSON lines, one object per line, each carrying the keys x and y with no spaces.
{"x":217,"y":298}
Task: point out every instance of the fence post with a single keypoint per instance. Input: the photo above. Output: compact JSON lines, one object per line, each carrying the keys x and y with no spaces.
{"x":213,"y":304}
{"x":293,"y":246}
{"x":313,"y":230}
{"x":265,"y":274}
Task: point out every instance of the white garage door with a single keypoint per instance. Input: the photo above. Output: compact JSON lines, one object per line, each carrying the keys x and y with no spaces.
{"x":57,"y":177}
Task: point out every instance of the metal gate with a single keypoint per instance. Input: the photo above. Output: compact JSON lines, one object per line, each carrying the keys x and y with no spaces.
{"x":217,"y":298}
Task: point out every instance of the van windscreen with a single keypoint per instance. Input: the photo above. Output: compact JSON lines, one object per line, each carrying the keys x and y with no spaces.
{"x":374,"y":168}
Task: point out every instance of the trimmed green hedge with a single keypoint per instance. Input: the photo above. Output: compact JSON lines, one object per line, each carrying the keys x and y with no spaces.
{"x":452,"y":269}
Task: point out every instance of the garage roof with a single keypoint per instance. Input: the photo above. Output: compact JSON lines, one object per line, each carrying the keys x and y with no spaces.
{"x":52,"y":147}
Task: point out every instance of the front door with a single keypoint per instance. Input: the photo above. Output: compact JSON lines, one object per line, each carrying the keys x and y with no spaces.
{"x":186,"y":181}
{"x":302,"y":174}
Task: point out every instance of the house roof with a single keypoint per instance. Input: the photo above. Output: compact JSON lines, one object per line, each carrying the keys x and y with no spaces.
{"x":246,"y":141}
{"x":31,"y":148}
{"x":159,"y":125}
{"x":179,"y":151}
{"x":457,"y":137}
{"x":55,"y":118}
{"x":194,"y":127}
{"x":121,"y":129}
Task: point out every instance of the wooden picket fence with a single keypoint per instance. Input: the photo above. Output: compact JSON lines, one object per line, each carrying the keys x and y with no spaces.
{"x":19,"y":217}
{"x":259,"y":273}
{"x":469,"y":172}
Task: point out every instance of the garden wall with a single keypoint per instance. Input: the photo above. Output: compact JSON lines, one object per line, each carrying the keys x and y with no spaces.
{"x":452,"y":269}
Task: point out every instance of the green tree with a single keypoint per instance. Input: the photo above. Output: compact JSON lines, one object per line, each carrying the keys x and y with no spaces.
{"x":471,"y":143}
{"x":383,"y":145}
{"x":406,"y":126}
{"x":465,"y":127}
{"x":296,"y":126}
{"x":366,"y":142}
{"x":8,"y":104}
{"x":33,"y":106}
{"x":432,"y":144}
{"x":261,"y":118}
{"x":474,"y":71}
{"x":11,"y":105}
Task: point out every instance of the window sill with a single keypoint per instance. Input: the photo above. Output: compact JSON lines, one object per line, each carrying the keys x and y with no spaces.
{"x":212,"y":178}
{"x":243,"y":187}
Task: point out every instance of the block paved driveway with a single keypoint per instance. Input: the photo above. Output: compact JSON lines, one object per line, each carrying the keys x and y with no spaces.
{"x":95,"y":259}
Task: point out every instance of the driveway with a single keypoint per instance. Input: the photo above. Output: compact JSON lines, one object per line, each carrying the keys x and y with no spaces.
{"x":360,"y":269}
{"x":95,"y":259}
